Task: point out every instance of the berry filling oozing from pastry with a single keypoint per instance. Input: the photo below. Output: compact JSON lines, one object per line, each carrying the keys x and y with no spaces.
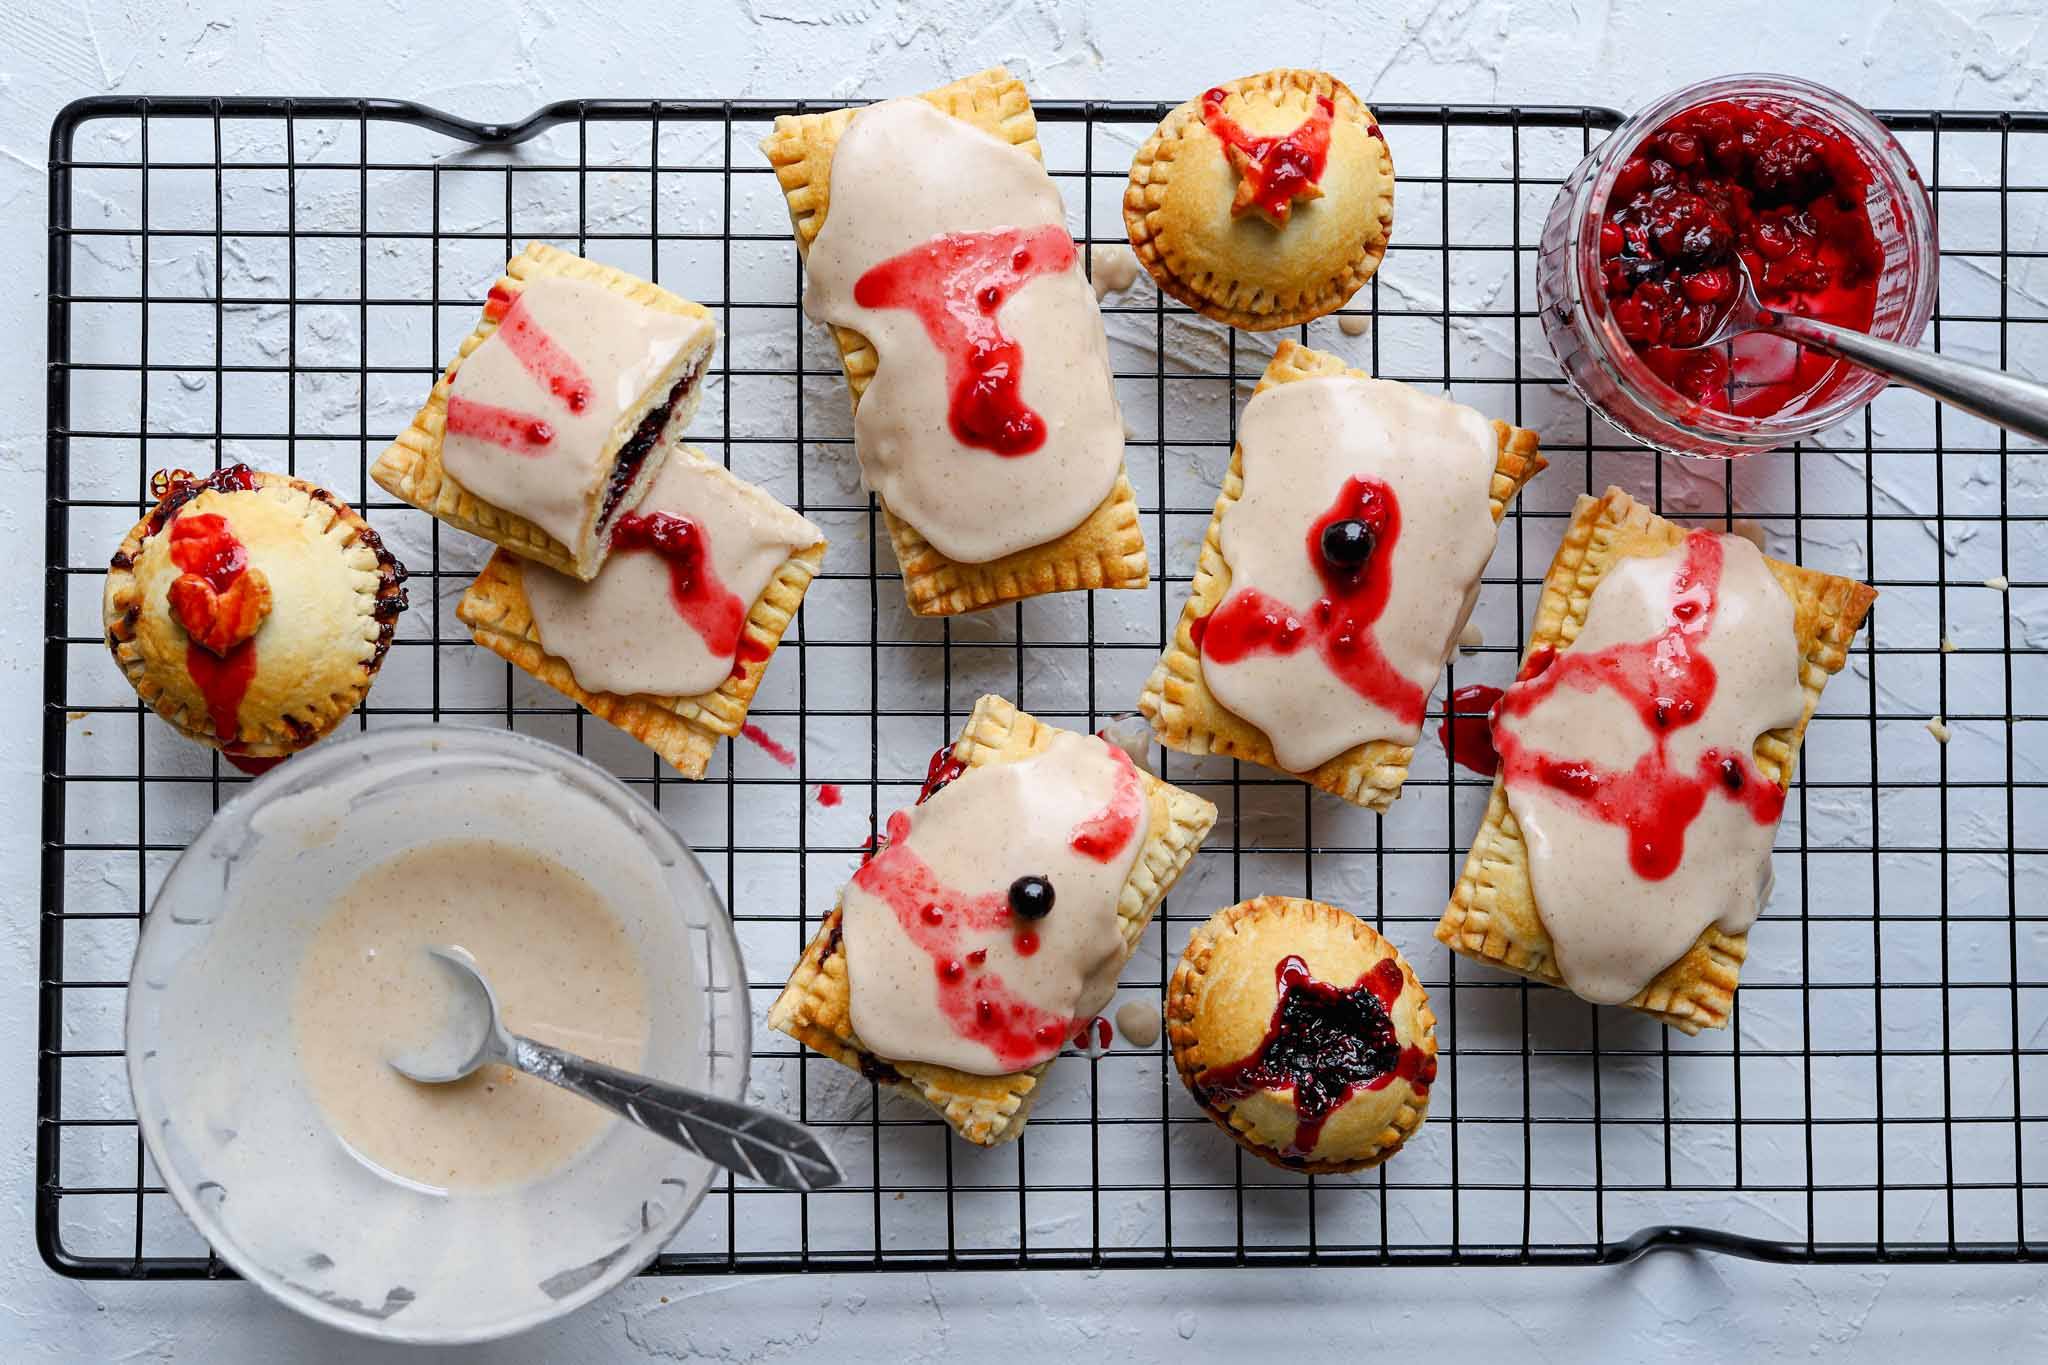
{"x":1669,"y":683}
{"x":956,"y":284}
{"x":1325,"y":1043}
{"x":1466,"y":731}
{"x":1276,"y":170}
{"x":1725,"y":181}
{"x":1339,"y":624}
{"x":633,"y":454}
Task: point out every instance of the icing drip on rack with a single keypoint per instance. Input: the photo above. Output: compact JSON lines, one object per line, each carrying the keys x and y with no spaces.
{"x":1628,"y":760}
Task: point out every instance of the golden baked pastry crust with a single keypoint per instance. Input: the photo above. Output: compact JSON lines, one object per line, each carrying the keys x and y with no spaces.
{"x":1220,"y":1003}
{"x":1188,"y":717}
{"x":815,"y":1008}
{"x":1492,"y":916}
{"x":684,"y":731}
{"x":335,"y":599}
{"x":1239,"y":268}
{"x":1107,"y":550}
{"x":410,"y":468}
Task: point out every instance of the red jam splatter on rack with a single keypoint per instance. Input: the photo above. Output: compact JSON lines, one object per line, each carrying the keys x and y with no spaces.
{"x":1723,"y":181}
{"x":1467,"y":732}
{"x":253,"y":765}
{"x":1339,"y":624}
{"x":829,"y":794}
{"x":1669,"y":684}
{"x":1275,"y":170}
{"x":769,"y":745}
{"x":701,"y":599}
{"x":1325,"y":1044}
{"x":956,"y":284}
{"x":939,"y":919}
{"x":215,"y":573}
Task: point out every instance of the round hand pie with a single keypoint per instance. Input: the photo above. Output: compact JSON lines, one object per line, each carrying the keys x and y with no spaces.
{"x":1303,"y":1033}
{"x":251,"y":610}
{"x":1266,"y":202}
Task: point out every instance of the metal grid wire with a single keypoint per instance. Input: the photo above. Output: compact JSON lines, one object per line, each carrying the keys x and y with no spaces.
{"x":278,"y":281}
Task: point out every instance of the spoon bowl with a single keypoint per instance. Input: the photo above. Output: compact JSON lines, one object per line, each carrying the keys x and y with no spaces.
{"x":470,"y":1033}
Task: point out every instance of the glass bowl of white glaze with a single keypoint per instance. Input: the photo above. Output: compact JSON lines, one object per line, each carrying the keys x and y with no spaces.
{"x":220,"y":1062}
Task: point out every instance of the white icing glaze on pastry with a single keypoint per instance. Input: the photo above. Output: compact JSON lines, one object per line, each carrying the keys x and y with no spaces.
{"x":940,"y":967}
{"x":537,"y":412}
{"x":1702,"y":637}
{"x":1319,"y":658}
{"x":907,"y":178}
{"x":651,"y":621}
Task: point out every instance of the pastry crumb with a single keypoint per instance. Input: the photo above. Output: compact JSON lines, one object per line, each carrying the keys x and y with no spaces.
{"x":2001,"y":583}
{"x":1354,"y":324}
{"x":1938,"y":727}
{"x":1948,"y":646}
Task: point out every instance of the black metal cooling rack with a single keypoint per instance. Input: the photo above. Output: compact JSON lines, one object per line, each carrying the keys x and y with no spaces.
{"x":275,"y":281}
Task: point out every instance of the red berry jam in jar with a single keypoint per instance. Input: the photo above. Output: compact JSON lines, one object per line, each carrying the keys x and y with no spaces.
{"x":1643,"y":252}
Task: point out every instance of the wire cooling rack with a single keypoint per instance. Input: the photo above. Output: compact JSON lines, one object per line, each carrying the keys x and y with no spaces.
{"x":278,"y":281}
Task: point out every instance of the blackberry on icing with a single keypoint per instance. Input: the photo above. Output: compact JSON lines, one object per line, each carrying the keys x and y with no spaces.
{"x":1031,"y":898}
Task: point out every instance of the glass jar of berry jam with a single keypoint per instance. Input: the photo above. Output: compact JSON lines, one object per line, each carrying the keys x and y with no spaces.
{"x":1639,"y":260}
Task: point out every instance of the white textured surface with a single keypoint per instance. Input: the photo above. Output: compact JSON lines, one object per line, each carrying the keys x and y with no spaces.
{"x":1970,"y":55}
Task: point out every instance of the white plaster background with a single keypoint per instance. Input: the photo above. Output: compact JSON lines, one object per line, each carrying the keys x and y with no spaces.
{"x":500,"y":61}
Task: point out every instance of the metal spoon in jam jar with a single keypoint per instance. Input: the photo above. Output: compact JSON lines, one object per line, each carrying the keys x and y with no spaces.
{"x":2009,"y":400}
{"x":754,"y":1142}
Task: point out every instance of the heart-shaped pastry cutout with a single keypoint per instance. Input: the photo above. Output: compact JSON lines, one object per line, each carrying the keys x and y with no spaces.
{"x":218,"y":621}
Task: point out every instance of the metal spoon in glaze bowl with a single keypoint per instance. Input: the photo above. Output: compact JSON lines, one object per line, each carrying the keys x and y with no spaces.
{"x":2011,"y":401}
{"x":754,"y":1142}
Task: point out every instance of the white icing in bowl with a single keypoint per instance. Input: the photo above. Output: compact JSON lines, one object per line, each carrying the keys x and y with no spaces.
{"x":223,"y":1101}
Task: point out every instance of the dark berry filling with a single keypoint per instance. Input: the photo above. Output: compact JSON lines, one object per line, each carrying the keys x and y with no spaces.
{"x":1324,"y":1043}
{"x":1031,"y":898}
{"x":633,"y":454}
{"x":1723,"y":183}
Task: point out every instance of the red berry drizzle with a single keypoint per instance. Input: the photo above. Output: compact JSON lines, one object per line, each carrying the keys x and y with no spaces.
{"x":939,"y":918}
{"x":938,"y":773}
{"x":1466,"y":732}
{"x":956,"y":283}
{"x":1325,"y":1044}
{"x":552,"y":367}
{"x":701,"y":599}
{"x":1669,"y":684}
{"x":203,"y":545}
{"x":1723,"y":181}
{"x":1278,"y":168}
{"x":1339,"y":624}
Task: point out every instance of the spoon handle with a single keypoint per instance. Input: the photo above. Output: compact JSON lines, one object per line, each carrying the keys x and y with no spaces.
{"x":754,"y":1142}
{"x":2013,"y":402}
